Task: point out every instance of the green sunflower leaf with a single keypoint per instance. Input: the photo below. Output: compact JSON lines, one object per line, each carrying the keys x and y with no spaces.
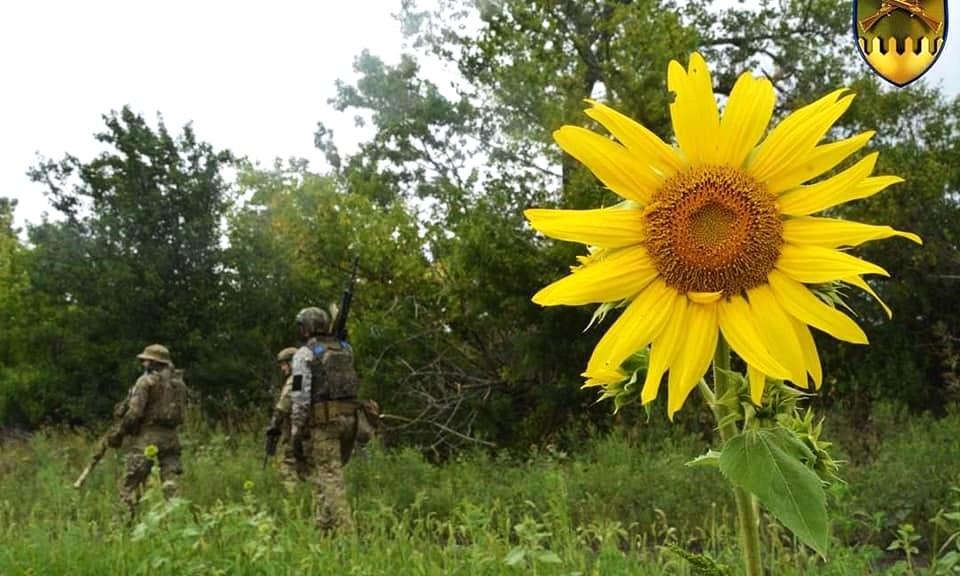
{"x":711,"y":458}
{"x":758,"y":461}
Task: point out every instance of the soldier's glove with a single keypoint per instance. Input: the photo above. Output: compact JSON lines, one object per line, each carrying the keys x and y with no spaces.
{"x":114,"y":440}
{"x":273,"y":428}
{"x":298,"y":449}
{"x":296,"y":440}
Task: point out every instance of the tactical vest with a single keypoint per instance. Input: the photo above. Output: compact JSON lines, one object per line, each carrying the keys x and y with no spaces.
{"x":333,"y":375}
{"x":168,"y":398}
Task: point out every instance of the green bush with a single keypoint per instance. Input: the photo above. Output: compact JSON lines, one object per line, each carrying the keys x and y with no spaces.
{"x":909,"y":477}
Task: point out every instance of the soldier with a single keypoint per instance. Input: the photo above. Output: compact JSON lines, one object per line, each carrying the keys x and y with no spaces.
{"x":291,"y":468}
{"x":323,"y":408}
{"x":153,"y":411}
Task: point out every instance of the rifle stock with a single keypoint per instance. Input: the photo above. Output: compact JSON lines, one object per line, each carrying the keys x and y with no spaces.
{"x":889,"y":6}
{"x":870,"y":21}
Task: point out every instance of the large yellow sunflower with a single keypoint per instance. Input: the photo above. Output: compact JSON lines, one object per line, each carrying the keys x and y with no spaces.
{"x":715,"y":235}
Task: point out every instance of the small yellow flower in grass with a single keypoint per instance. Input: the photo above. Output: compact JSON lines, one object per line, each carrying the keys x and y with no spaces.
{"x":716,"y":235}
{"x":248,"y":485}
{"x":150,"y":451}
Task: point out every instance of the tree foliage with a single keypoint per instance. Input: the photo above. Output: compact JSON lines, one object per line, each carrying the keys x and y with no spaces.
{"x":157,"y":245}
{"x":136,"y":260}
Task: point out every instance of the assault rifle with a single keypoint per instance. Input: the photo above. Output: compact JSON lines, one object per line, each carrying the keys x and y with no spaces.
{"x":113,"y":438}
{"x":270,"y":445}
{"x":340,"y":324}
{"x":102,"y":446}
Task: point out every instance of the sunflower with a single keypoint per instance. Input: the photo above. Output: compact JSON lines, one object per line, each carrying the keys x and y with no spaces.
{"x":716,"y":235}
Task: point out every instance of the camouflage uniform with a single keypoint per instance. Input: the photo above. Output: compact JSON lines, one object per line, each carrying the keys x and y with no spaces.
{"x":291,"y":469}
{"x":154,"y":410}
{"x":318,"y":423}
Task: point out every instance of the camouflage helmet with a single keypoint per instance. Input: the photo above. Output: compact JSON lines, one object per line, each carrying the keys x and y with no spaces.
{"x":156,"y":353}
{"x":286,"y":354}
{"x":314,"y":320}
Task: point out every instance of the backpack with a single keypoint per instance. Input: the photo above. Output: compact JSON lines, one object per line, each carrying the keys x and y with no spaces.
{"x":168,"y":399}
{"x":333,"y":375}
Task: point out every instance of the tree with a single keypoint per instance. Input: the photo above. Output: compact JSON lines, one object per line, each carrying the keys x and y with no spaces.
{"x":135,"y":261}
{"x":525,"y":69}
{"x":14,"y":294}
{"x":913,"y":357}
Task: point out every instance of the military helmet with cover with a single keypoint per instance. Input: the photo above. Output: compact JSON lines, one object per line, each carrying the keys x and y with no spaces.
{"x":156,"y":353}
{"x":286,"y":355}
{"x":314,"y":320}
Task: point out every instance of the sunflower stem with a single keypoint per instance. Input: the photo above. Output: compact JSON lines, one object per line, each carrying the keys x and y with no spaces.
{"x":707,"y":393}
{"x":747,"y":518}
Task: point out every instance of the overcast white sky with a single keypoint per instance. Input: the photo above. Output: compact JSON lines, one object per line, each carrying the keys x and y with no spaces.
{"x":253,"y":77}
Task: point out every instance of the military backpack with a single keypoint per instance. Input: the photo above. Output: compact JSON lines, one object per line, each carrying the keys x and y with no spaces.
{"x":334,"y":377}
{"x":168,"y":398}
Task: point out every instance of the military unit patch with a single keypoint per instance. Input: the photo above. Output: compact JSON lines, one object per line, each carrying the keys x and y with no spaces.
{"x":900,"y":39}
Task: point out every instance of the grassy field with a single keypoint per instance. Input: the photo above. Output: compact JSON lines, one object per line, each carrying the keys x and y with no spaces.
{"x":615,"y":506}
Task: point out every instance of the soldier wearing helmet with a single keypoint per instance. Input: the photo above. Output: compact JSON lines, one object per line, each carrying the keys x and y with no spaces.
{"x":323,"y":410}
{"x":291,"y":468}
{"x":150,"y":416}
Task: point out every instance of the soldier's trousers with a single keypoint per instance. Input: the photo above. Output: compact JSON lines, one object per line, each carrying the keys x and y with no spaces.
{"x":137,"y":469}
{"x":325,"y":472}
{"x":292,"y":470}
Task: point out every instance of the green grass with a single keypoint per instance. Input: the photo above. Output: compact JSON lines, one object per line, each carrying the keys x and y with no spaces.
{"x":614,"y":507}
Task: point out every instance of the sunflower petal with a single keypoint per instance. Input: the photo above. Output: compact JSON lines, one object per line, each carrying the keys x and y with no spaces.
{"x":613,"y":164}
{"x":792,"y":141}
{"x":803,"y":204}
{"x":851,"y":184}
{"x":758,"y":381}
{"x":641,"y":142}
{"x":636,"y":327}
{"x":809,"y":349}
{"x":692,"y":360}
{"x":704,"y":297}
{"x":823,"y":158}
{"x":745,"y":118}
{"x":776,"y":332}
{"x":696,"y":121}
{"x":616,"y":277}
{"x":800,"y":303}
{"x":815,"y":264}
{"x":862,"y":284}
{"x":603,"y":377}
{"x":740,"y":330}
{"x":664,"y":349}
{"x":605,"y":227}
{"x":834,"y":233}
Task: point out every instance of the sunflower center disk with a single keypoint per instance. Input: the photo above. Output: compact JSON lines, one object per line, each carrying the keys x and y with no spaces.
{"x":713,"y":229}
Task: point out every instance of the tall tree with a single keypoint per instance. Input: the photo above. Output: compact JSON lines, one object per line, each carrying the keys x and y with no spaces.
{"x":135,"y":261}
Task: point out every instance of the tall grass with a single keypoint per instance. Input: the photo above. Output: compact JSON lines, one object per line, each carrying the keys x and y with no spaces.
{"x":614,"y":507}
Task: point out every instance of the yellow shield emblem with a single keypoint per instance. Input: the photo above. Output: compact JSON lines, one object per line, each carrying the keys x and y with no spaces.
{"x":900,"y":39}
